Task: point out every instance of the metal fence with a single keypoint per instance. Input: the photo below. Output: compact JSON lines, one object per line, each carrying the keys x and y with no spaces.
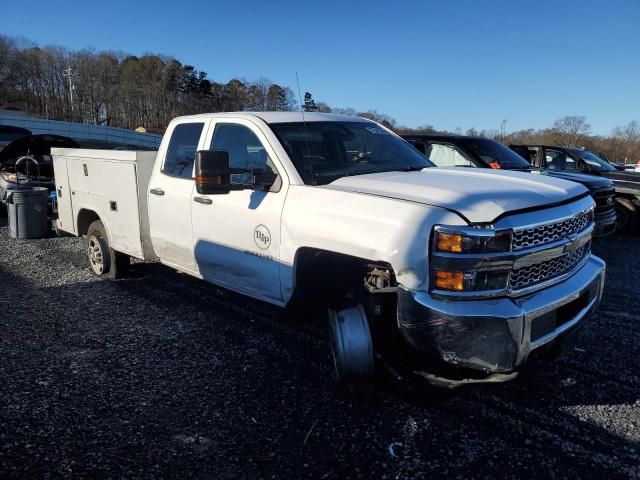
{"x":118,"y":137}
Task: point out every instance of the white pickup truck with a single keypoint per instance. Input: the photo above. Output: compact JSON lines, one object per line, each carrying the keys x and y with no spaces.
{"x":468,"y":271}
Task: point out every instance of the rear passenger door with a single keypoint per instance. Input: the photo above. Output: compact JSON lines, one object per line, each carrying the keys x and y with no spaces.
{"x":170,"y":191}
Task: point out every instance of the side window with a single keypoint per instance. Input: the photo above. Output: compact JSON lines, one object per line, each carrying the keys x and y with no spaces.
{"x":557,"y":160}
{"x":444,"y":155}
{"x":242,"y":145}
{"x":182,"y":150}
{"x":420,"y":146}
{"x":524,"y":152}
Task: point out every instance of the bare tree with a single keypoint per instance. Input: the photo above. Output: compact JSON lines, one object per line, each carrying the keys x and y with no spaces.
{"x":627,"y":140}
{"x":570,"y":130}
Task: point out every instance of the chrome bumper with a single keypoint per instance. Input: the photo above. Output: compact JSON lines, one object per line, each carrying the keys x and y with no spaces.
{"x":497,"y":335}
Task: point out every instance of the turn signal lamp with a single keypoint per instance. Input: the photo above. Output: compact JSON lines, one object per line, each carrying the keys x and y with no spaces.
{"x":473,"y":241}
{"x":449,"y":242}
{"x":449,"y":280}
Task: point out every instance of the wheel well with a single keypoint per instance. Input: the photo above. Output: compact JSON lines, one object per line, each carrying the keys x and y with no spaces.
{"x":323,"y":275}
{"x":86,"y":218}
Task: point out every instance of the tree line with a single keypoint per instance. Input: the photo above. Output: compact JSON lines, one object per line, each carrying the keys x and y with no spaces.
{"x":122,"y":90}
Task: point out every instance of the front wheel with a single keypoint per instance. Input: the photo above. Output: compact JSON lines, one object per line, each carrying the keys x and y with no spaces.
{"x":103,"y":260}
{"x":352,"y":349}
{"x":626,"y":216}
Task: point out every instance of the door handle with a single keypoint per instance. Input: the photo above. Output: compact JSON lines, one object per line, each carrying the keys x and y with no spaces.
{"x":203,"y":200}
{"x":157,"y":191}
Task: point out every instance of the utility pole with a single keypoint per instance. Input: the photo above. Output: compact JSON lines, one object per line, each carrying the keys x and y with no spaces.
{"x":69,"y":73}
{"x":503,"y":129}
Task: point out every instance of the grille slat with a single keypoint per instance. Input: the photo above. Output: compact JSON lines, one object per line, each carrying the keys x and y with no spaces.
{"x":605,"y":202}
{"x":550,"y":232}
{"x":538,"y":273}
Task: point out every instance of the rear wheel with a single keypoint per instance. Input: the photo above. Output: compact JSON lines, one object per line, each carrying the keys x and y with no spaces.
{"x":352,"y":350}
{"x":103,"y":260}
{"x":626,"y":216}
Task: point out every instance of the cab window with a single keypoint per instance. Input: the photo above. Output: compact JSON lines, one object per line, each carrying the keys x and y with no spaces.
{"x":445,"y":155}
{"x":557,"y":160}
{"x":182,"y":150}
{"x":420,"y":146}
{"x":244,"y":149}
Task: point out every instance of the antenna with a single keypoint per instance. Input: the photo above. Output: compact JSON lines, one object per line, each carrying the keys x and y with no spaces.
{"x":306,"y":134}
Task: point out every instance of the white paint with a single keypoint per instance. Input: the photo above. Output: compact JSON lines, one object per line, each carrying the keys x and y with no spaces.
{"x":248,"y":241}
{"x":112,"y":176}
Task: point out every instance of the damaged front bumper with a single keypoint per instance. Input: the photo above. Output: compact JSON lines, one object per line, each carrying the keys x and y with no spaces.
{"x":497,"y":335}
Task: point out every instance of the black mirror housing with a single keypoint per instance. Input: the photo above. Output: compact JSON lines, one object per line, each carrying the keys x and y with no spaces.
{"x":213,"y":175}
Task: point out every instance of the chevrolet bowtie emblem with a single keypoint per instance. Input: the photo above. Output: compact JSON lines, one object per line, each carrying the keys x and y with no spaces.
{"x":574,"y":244}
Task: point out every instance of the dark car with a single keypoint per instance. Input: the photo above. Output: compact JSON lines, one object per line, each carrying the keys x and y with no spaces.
{"x":461,"y":151}
{"x":572,"y":160}
{"x":26,"y":162}
{"x":9,"y":133}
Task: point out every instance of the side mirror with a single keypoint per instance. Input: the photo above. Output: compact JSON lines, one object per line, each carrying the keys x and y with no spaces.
{"x":586,"y":168}
{"x":213,"y":175}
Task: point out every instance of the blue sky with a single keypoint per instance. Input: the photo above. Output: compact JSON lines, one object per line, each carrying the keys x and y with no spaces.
{"x":446,"y":63}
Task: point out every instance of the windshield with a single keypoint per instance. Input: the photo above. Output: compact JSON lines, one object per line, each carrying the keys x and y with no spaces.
{"x":325,"y":151}
{"x":592,"y":160}
{"x":490,"y":151}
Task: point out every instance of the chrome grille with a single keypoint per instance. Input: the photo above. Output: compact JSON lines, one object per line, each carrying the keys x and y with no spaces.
{"x":541,"y":272}
{"x":541,"y":234}
{"x":605,"y":201}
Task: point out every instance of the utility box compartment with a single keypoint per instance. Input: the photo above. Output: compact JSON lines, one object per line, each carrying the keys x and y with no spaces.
{"x":111,"y":184}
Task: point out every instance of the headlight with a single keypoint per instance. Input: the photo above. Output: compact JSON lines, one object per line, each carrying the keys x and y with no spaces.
{"x":472,"y":240}
{"x":470,"y":281}
{"x":468,"y":259}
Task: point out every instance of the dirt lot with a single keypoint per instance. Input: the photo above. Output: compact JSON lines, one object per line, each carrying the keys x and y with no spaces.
{"x":160,"y":375}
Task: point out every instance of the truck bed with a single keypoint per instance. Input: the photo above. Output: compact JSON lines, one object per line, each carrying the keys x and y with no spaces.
{"x":111,"y":183}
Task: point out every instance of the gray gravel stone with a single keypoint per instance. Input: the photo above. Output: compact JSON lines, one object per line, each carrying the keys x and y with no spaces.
{"x":163,"y":376}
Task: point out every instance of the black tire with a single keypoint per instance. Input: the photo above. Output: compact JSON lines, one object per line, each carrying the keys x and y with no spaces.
{"x":626,"y":216}
{"x":352,"y":351}
{"x":103,"y":260}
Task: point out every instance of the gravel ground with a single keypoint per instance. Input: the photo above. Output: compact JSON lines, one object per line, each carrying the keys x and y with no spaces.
{"x":164,"y":376}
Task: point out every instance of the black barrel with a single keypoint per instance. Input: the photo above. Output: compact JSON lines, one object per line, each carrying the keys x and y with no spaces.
{"x":28,"y":213}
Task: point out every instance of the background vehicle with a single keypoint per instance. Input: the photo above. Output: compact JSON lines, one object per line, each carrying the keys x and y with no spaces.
{"x":26,"y":162}
{"x":9,"y":133}
{"x":462,"y":151}
{"x":339,"y":214}
{"x":567,"y":159}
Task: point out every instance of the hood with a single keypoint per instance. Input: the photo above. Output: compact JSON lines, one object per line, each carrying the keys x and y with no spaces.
{"x":478,"y":195}
{"x":592,"y":182}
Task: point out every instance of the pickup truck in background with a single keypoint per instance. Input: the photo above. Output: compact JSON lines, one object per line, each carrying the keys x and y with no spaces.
{"x":578,"y":160}
{"x":465,"y":273}
{"x":463,"y":151}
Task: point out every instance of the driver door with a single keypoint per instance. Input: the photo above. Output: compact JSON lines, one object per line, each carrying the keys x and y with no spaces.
{"x":236,"y":236}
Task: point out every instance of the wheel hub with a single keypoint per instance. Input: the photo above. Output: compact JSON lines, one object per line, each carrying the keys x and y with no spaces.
{"x":96,"y":256}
